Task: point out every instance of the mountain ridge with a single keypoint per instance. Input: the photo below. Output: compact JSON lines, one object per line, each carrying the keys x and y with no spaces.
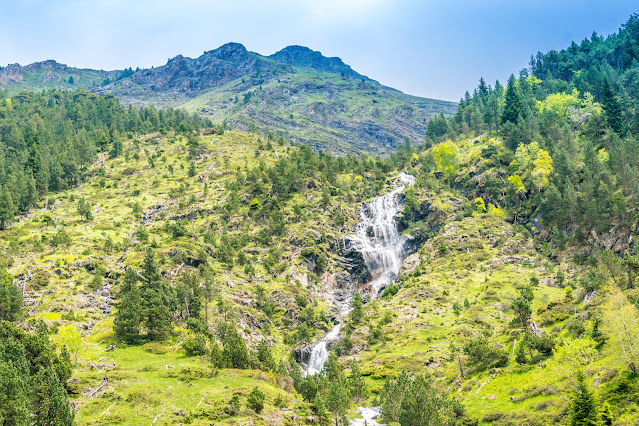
{"x":295,"y":93}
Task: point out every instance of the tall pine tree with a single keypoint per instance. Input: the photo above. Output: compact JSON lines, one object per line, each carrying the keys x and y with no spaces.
{"x":514,"y":107}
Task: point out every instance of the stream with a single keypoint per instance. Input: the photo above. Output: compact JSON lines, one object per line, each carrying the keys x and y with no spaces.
{"x":378,"y":240}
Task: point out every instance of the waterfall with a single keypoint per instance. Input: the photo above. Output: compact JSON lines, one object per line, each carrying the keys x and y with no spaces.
{"x":377,"y":239}
{"x":319,"y":354}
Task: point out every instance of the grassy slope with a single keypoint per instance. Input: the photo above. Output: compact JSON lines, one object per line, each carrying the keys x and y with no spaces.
{"x":114,"y":219}
{"x":485,"y":260}
{"x":304,"y":102}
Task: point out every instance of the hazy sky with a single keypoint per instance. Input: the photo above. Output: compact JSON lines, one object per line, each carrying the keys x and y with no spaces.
{"x":436,"y":49}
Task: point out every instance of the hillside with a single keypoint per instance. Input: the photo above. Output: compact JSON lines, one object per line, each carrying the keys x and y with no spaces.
{"x":51,"y":75}
{"x":157,"y":267}
{"x":460,"y":284}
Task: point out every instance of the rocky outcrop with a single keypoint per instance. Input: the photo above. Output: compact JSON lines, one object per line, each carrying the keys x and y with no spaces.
{"x":303,"y":57}
{"x":215,"y":67}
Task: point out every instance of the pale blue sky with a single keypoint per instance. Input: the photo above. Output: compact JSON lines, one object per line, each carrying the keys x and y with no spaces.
{"x":429,"y":48}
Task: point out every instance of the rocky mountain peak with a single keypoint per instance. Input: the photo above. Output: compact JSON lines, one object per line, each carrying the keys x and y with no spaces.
{"x":303,"y":57}
{"x":228,"y":51}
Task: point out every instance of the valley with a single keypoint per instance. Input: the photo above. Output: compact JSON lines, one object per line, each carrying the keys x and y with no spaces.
{"x":256,"y":240}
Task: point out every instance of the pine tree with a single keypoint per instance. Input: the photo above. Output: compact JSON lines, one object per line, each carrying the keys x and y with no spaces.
{"x":611,"y":106}
{"x":514,"y":104}
{"x":319,"y":406}
{"x":157,"y":315}
{"x":234,"y":350}
{"x":216,"y":356}
{"x":422,"y":405}
{"x":583,"y":411}
{"x":128,"y":318}
{"x":7,"y":208}
{"x":264,"y":356}
{"x":521,"y":306}
{"x":10,"y":298}
{"x":339,"y":398}
{"x":51,"y":403}
{"x":14,"y":395}
{"x":150,"y":268}
{"x":392,"y":395}
{"x":356,"y":304}
{"x":356,"y":382}
{"x":255,"y":400}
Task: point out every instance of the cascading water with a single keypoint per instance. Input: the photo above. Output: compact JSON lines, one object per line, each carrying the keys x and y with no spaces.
{"x":377,"y":239}
{"x":319,"y":354}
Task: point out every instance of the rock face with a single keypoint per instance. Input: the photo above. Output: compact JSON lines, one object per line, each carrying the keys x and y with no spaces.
{"x":222,"y":65}
{"x":303,"y":57}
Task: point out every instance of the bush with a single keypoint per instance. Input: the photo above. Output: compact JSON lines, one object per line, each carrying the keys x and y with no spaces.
{"x":195,"y":345}
{"x":156,"y":348}
{"x":255,"y":400}
{"x":485,"y":354}
{"x":390,"y":290}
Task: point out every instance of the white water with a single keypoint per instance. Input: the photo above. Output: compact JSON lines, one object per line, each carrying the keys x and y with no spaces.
{"x":319,"y":354}
{"x":377,"y":238}
{"x":368,"y":416}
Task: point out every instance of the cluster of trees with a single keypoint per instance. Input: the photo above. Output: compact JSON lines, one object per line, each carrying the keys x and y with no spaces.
{"x":331,"y":391}
{"x":48,"y":139}
{"x":33,"y":378}
{"x":570,"y":126}
{"x":413,"y":401}
{"x":260,"y":206}
{"x":148,"y":302}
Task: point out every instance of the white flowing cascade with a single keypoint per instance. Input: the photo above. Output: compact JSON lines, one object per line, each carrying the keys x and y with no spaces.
{"x":319,"y":354}
{"x":377,"y":238}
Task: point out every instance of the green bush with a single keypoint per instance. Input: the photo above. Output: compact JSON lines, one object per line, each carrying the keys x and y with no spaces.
{"x":195,"y":345}
{"x":485,"y":354}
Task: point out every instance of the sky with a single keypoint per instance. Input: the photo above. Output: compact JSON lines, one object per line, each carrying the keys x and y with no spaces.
{"x":435,"y":49}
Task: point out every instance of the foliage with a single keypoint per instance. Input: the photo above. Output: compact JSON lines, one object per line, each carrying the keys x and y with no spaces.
{"x":50,"y":139}
{"x":32,"y":378}
{"x":10,"y":298}
{"x":413,"y":401}
{"x":447,"y":158}
{"x":583,"y":411}
{"x":255,"y":400}
{"x":485,"y":354}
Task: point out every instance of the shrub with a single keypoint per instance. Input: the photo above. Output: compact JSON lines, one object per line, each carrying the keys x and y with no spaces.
{"x":255,"y":400}
{"x":485,"y":354}
{"x":195,"y":345}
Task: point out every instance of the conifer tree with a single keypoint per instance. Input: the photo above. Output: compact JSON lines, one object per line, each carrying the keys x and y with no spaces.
{"x":514,"y":104}
{"x":157,"y":315}
{"x":356,"y":382}
{"x":10,"y":298}
{"x":51,"y":403}
{"x":583,"y":411}
{"x":338,"y":399}
{"x":7,"y":208}
{"x":356,"y":304}
{"x":14,"y":395}
{"x":128,"y":318}
{"x":319,"y":406}
{"x":611,"y":106}
{"x":255,"y":400}
{"x":234,"y":349}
